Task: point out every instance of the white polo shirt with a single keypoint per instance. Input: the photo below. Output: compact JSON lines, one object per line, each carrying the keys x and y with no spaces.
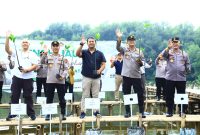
{"x":26,"y":59}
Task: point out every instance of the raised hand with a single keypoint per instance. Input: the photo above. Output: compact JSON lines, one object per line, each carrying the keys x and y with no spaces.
{"x":83,"y":39}
{"x":118,"y":33}
{"x":8,"y":33}
{"x":45,"y":48}
{"x":170,"y":44}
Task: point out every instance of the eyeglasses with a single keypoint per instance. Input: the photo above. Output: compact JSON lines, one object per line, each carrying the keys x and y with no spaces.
{"x":24,"y":42}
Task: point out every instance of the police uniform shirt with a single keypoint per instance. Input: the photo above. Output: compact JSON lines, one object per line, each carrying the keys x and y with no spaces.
{"x":130,"y":66}
{"x":161,"y":68}
{"x":53,"y":63}
{"x":177,"y":64}
{"x":26,"y":60}
{"x":42,"y":71}
{"x":2,"y":70}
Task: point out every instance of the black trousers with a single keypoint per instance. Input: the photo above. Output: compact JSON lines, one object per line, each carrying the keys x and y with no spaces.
{"x":61,"y":94}
{"x":126,"y":87}
{"x":26,"y":85}
{"x":39,"y":83}
{"x":71,"y":89}
{"x":170,"y":91}
{"x":161,"y":86}
{"x":1,"y":85}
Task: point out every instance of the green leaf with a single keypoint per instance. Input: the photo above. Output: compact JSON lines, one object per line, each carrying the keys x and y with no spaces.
{"x":142,"y":49}
{"x":146,"y":25}
{"x":67,"y":47}
{"x":42,"y":42}
{"x":97,"y":36}
{"x":12,"y":38}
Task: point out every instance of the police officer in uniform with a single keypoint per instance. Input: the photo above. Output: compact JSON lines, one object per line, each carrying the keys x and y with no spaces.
{"x":160,"y":77}
{"x":41,"y":77}
{"x":2,"y":76}
{"x":56,"y":72}
{"x":132,"y":61}
{"x":178,"y":65}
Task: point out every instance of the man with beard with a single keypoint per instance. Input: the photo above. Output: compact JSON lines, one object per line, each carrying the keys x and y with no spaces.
{"x":93,"y":64}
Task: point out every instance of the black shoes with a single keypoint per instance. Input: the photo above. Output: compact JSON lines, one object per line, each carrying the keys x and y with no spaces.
{"x":82,"y":115}
{"x":47,"y":117}
{"x":143,"y":116}
{"x":63,"y":117}
{"x":10,"y":117}
{"x":33,"y":117}
{"x":169,"y":115}
{"x":96,"y":113}
{"x":127,"y":115}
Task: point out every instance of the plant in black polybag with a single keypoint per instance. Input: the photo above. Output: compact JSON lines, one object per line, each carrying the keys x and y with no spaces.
{"x":20,"y":68}
{"x":95,"y":72}
{"x":59,"y":77}
{"x":139,"y":61}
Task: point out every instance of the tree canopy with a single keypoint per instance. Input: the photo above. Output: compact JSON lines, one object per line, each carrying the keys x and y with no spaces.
{"x":152,"y":37}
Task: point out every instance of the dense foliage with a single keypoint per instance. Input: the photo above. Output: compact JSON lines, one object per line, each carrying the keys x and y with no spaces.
{"x":151,"y":37}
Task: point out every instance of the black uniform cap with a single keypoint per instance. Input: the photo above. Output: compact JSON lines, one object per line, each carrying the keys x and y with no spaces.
{"x":131,"y":37}
{"x":55,"y":43}
{"x":175,"y":39}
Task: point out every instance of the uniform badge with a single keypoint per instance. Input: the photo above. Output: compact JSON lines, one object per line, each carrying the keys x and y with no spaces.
{"x":50,"y":65}
{"x":127,"y":56}
{"x":172,"y":60}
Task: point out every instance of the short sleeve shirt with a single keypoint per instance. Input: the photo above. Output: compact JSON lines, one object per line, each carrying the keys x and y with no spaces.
{"x":91,"y":63}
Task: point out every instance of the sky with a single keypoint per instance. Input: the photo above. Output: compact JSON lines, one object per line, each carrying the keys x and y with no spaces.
{"x":25,"y":16}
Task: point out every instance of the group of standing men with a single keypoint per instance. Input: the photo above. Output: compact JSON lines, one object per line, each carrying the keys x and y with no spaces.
{"x":172,"y":65}
{"x":52,"y":72}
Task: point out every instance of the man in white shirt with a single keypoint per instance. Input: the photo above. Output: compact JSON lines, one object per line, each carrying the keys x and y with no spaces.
{"x":23,"y":74}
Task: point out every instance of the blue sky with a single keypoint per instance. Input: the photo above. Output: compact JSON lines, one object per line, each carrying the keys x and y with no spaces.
{"x":25,"y":16}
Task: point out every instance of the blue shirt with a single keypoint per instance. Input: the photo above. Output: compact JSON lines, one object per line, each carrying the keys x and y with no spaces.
{"x":91,"y":63}
{"x":118,"y":67}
